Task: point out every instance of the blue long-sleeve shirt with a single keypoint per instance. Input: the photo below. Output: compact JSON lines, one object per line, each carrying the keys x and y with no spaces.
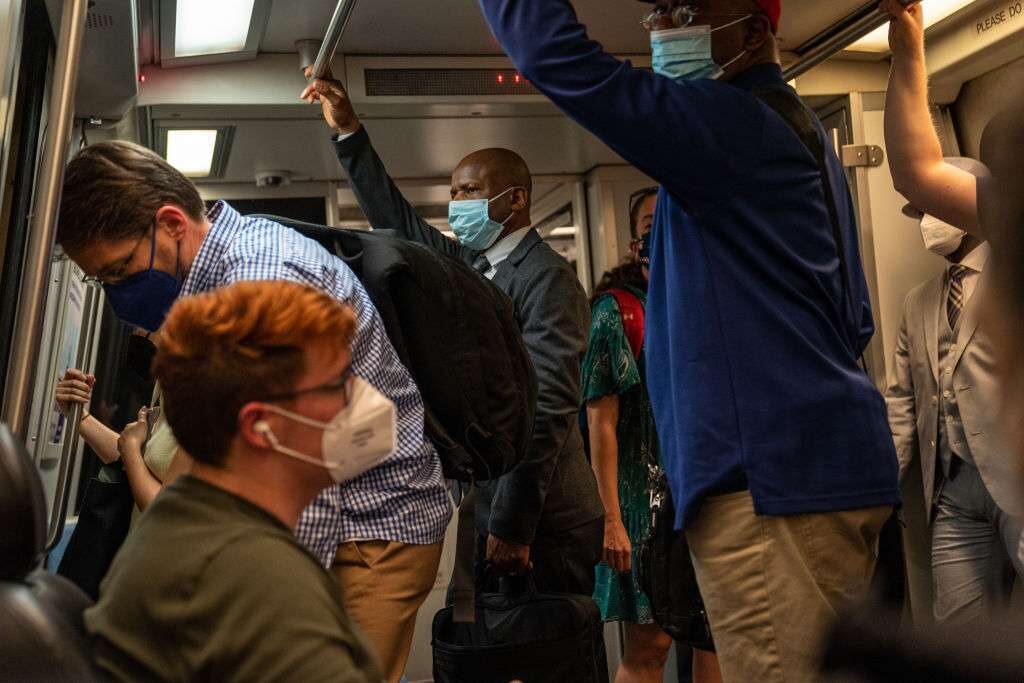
{"x":752,"y":350}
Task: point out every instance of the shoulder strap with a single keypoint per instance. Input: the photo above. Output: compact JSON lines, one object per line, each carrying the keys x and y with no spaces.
{"x":632,"y":312}
{"x":800,"y":119}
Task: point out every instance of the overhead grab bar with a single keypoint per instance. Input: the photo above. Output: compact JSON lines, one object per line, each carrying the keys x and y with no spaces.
{"x":335,"y":29}
{"x":28,"y":324}
{"x":863,"y":22}
{"x":59,"y":509}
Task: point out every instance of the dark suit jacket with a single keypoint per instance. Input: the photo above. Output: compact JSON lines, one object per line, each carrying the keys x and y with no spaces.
{"x":553,"y":489}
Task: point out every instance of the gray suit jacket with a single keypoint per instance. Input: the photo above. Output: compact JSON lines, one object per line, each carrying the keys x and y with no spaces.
{"x":553,"y":489}
{"x":912,"y":397}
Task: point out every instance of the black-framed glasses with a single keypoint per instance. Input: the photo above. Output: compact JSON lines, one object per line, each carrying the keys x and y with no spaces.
{"x":341,"y":384}
{"x":116,"y":272}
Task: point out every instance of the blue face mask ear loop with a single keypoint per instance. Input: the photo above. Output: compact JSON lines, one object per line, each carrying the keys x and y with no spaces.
{"x":721,"y":69}
{"x":177,"y":257}
{"x":514,"y":212}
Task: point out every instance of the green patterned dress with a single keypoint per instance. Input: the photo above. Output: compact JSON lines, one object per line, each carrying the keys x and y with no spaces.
{"x":610,"y":368}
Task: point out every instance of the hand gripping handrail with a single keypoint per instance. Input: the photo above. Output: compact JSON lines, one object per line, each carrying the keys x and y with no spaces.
{"x":838,"y":38}
{"x":59,"y":507}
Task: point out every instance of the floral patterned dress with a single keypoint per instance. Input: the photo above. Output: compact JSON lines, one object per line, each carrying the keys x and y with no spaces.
{"x":610,"y":368}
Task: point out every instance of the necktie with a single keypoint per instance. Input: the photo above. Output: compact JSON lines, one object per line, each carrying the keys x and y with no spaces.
{"x":955,"y":304}
{"x":481,"y":265}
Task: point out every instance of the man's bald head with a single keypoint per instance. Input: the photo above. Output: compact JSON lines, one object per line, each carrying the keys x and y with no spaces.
{"x":500,"y":175}
{"x":503,"y":165}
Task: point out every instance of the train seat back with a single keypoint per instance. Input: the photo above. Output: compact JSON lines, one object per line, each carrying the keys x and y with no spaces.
{"x":42,"y":636}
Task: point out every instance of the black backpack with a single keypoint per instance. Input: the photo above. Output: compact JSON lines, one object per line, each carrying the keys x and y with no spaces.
{"x":667,"y":576}
{"x":457,"y":334}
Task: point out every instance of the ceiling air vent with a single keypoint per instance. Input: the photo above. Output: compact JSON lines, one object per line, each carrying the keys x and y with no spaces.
{"x":95,"y":20}
{"x":445,"y":82}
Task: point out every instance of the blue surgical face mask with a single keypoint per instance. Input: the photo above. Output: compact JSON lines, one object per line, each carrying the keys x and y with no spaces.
{"x":144,"y":298}
{"x":470,"y":220}
{"x":684,"y":54}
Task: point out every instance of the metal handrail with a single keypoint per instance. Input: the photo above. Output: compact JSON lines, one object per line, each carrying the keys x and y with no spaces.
{"x":831,"y":43}
{"x":342,"y":13}
{"x":59,"y":508}
{"x":28,"y":327}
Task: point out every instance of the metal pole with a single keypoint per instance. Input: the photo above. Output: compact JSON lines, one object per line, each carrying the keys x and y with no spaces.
{"x":28,"y":326}
{"x":59,"y":509}
{"x":335,"y":29}
{"x":870,"y":19}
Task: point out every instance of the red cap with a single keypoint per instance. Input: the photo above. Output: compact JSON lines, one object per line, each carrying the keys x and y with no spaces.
{"x":773,"y":10}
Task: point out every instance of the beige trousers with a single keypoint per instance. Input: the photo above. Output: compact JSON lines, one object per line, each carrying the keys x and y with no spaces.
{"x":772,"y":585}
{"x":383,"y":584}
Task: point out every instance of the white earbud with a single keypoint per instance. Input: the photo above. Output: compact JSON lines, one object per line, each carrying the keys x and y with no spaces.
{"x":261,"y":427}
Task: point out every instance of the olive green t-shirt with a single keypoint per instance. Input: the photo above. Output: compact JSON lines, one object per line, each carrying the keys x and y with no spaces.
{"x":210,"y":587}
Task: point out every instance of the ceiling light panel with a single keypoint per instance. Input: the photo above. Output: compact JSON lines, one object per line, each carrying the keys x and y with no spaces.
{"x":191,"y":151}
{"x":210,"y":27}
{"x":934,"y":12}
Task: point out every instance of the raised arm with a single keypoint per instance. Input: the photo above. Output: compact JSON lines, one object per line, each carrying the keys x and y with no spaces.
{"x":915,"y":153}
{"x":382,"y":202}
{"x":697,"y":138}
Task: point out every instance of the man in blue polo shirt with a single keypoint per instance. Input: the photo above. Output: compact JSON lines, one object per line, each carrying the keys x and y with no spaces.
{"x":775,"y":441}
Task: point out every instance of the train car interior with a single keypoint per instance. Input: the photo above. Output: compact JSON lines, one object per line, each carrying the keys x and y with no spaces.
{"x":213,"y":86}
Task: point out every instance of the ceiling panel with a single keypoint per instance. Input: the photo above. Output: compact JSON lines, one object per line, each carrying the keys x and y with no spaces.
{"x":456,"y":27}
{"x":411,"y":148}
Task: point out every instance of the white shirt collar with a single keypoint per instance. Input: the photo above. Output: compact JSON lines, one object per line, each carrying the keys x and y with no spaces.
{"x":504,"y":247}
{"x":977,"y":259}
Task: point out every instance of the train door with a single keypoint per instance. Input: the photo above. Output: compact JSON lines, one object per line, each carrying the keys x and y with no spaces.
{"x":35,"y":142}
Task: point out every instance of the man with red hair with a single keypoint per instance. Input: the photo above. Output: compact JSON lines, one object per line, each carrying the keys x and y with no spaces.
{"x":212,"y":584}
{"x":775,"y":441}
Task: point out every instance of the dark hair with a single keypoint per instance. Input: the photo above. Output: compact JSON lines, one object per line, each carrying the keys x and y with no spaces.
{"x":112,"y":191}
{"x":628,"y":274}
{"x":240,"y":343}
{"x":635,"y":200}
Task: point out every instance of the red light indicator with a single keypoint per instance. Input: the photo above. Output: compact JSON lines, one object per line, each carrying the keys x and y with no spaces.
{"x":518,"y":78}
{"x":501,"y":78}
{"x":142,"y":78}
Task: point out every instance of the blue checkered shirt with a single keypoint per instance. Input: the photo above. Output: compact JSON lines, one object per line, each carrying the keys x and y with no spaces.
{"x":404,"y":498}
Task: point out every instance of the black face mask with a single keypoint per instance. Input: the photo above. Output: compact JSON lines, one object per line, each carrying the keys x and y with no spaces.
{"x":644,"y":251}
{"x":138,"y":355}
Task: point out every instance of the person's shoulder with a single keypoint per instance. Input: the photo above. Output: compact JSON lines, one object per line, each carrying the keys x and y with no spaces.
{"x":923,"y":290}
{"x":543,"y":261}
{"x":604,"y":303}
{"x":268,"y":567}
{"x":274,"y":551}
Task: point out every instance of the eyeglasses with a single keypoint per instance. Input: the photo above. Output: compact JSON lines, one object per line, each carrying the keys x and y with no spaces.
{"x":341,"y":384}
{"x":116,"y":271}
{"x":678,"y":17}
